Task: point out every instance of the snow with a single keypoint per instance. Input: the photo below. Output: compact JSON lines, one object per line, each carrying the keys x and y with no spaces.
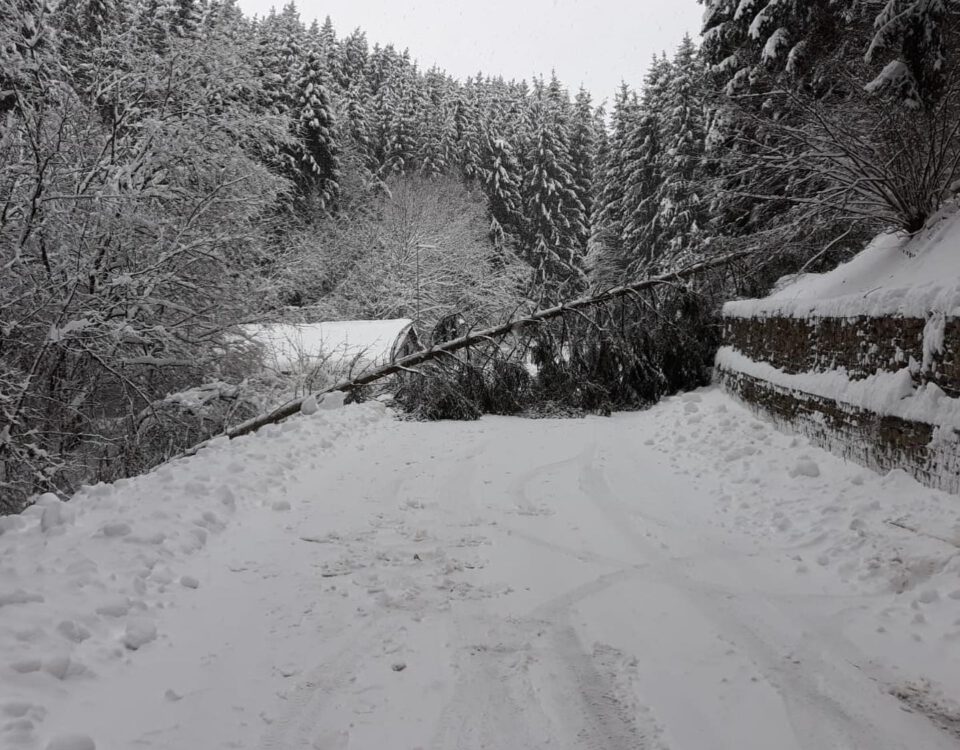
{"x":685,"y":577}
{"x":933,"y":333}
{"x":778,"y":41}
{"x":295,"y":346}
{"x":72,"y":742}
{"x":309,"y":406}
{"x":805,"y":467}
{"x":196,"y":398}
{"x":139,"y":633}
{"x":887,"y":393}
{"x":895,"y":74}
{"x":894,"y":275}
{"x":59,"y":333}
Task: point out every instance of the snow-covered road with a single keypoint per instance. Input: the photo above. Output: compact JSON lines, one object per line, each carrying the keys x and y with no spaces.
{"x":684,"y":578}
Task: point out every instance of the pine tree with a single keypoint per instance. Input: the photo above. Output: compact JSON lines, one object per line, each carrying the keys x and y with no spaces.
{"x":328,"y":35}
{"x":502,"y":184}
{"x":153,"y":24}
{"x":354,"y":60}
{"x":226,"y":17}
{"x":357,"y":129}
{"x":608,"y":257}
{"x":747,"y":41}
{"x":919,"y":35}
{"x":185,"y":18}
{"x":583,"y":154}
{"x":906,"y":42}
{"x":602,"y":155}
{"x":554,"y":215}
{"x":435,"y":131}
{"x":468,"y":129}
{"x":292,"y":55}
{"x":161,"y":21}
{"x":642,"y":233}
{"x":278,"y":60}
{"x":399,"y":126}
{"x":680,"y":209}
{"x":315,"y":156}
{"x":325,"y":40}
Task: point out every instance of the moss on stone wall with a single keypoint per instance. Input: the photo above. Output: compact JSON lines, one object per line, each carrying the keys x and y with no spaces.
{"x":876,"y":441}
{"x":862,"y":346}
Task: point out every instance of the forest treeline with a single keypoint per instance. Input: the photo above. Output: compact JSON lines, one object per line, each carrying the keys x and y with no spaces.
{"x":171,"y":168}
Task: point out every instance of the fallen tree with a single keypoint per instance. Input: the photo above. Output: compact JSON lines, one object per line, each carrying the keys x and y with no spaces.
{"x":408,"y":363}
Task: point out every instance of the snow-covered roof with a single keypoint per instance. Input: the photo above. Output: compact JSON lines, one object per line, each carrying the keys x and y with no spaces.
{"x":290,"y":346}
{"x":895,"y":275}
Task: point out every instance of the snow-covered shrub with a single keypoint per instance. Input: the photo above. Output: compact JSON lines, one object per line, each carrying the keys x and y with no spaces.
{"x":421,"y":251}
{"x":181,"y":420}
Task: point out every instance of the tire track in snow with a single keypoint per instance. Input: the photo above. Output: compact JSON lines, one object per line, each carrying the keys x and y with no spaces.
{"x":519,"y":488}
{"x":829,"y":701}
{"x":530,"y":684}
{"x":607,"y":723}
{"x":497,"y":705}
{"x":493,"y":705}
{"x":578,"y":554}
{"x":296,"y":727}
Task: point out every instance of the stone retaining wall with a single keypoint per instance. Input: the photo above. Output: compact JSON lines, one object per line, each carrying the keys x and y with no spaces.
{"x":878,"y":442}
{"x":863,"y":346}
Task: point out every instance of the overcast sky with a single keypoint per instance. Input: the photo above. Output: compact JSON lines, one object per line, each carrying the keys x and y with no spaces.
{"x":591,"y":42}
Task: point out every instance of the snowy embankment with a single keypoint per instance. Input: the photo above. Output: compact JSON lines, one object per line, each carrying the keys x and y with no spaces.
{"x":895,"y":275}
{"x":842,"y":356}
{"x":684,"y":578}
{"x":83,"y":584}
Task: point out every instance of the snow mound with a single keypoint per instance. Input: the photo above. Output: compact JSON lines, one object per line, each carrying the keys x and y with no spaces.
{"x":139,"y":633}
{"x":805,"y":467}
{"x":894,"y":275}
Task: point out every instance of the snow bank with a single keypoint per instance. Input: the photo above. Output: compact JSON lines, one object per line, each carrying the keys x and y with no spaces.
{"x":890,"y":539}
{"x":887,"y":393}
{"x":83,"y":583}
{"x":894,"y":275}
{"x":293,"y":346}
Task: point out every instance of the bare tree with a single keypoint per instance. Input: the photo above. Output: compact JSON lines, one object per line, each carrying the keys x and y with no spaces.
{"x":420,"y":251}
{"x":130,"y":219}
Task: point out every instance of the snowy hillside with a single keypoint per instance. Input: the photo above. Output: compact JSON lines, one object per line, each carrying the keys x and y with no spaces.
{"x":682,"y":578}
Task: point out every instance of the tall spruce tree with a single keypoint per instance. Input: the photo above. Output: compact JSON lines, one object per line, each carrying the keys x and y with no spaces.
{"x":608,"y":256}
{"x":643,"y":171}
{"x":680,"y":205}
{"x":583,"y":155}
{"x":555,"y":218}
{"x":316,"y":154}
{"x":502,"y":184}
